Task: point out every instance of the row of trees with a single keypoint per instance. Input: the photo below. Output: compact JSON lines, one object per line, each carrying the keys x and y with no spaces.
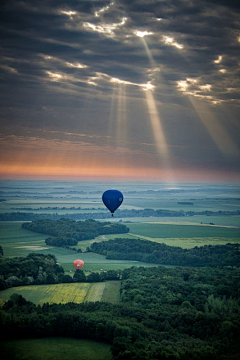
{"x":61,"y":241}
{"x":80,"y":276}
{"x":188,"y":314}
{"x":149,"y":251}
{"x":30,"y":216}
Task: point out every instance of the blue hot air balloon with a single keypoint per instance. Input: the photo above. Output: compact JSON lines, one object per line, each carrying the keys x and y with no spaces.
{"x":112,"y":199}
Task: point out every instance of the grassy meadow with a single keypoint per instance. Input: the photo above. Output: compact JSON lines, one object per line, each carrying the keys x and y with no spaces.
{"x":54,"y":348}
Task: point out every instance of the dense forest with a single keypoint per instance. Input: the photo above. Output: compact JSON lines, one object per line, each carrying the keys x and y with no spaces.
{"x":159,"y":253}
{"x":167,"y":314}
{"x":69,"y":232}
{"x":30,"y":216}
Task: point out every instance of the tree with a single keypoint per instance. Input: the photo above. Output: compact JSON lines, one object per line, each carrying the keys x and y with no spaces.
{"x":79,"y":276}
{"x":94,"y":277}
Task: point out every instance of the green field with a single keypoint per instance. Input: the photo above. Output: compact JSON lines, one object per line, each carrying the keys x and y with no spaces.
{"x":16,"y":241}
{"x":20,"y":242}
{"x":185,"y":235}
{"x":54,"y":348}
{"x":155,"y":230}
{"x":63,"y":293}
{"x":233,"y":220}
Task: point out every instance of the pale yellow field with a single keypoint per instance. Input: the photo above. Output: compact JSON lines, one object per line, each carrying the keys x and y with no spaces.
{"x":95,"y":292}
{"x":56,"y":293}
{"x":63,"y":293}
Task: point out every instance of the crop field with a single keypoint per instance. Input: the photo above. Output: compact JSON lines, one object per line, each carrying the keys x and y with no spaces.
{"x":188,"y":243}
{"x":64,"y":293}
{"x":111,"y":292}
{"x":95,"y":292}
{"x":233,"y":220}
{"x":185,"y":235}
{"x":54,"y":348}
{"x":155,"y":230}
{"x":56,"y":293}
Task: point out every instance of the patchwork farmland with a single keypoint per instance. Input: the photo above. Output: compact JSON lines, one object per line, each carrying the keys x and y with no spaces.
{"x":64,"y":293}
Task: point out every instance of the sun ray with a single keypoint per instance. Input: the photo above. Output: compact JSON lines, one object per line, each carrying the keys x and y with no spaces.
{"x":155,"y":119}
{"x":121,"y":115}
{"x":148,"y":52}
{"x":159,"y":136}
{"x":117,"y":128}
{"x":113,"y":110}
{"x":216,"y":130}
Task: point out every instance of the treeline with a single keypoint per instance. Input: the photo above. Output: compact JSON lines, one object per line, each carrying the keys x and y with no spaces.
{"x":69,"y":232}
{"x":159,"y":253}
{"x":61,"y":241}
{"x":29,"y":216}
{"x":33,"y":269}
{"x":188,"y":314}
{"x":38,"y":269}
{"x":54,"y":208}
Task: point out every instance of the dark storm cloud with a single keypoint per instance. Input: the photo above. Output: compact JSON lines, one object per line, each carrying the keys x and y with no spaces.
{"x":107,"y":43}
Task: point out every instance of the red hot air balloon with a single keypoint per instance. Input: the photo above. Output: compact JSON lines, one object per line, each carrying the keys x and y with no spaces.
{"x":78,"y":264}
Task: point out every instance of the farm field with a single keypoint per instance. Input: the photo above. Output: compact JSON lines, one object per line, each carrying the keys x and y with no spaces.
{"x":156,"y":230}
{"x":12,"y":231}
{"x":20,"y":242}
{"x":111,"y":292}
{"x":188,"y":243}
{"x":185,"y":235}
{"x":16,"y":241}
{"x":64,"y":293}
{"x":54,"y":348}
{"x":233,"y":220}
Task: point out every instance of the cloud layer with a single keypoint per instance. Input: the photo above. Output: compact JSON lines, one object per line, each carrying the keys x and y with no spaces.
{"x":84,"y":78}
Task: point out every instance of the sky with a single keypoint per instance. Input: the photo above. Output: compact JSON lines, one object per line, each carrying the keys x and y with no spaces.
{"x":120,"y":90}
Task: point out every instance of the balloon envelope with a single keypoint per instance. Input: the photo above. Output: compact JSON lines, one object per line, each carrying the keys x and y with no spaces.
{"x":78,"y":264}
{"x":112,"y":199}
